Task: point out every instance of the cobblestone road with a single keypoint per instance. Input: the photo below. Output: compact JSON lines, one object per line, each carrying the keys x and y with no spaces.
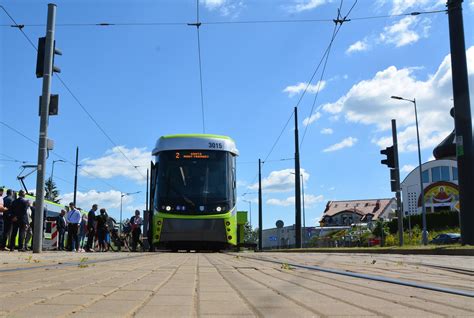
{"x":200,"y":285}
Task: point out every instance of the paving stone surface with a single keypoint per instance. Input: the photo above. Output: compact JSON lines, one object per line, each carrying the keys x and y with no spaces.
{"x":229,"y":285}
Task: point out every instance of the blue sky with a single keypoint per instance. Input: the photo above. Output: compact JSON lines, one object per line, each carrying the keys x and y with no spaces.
{"x":142,"y":82}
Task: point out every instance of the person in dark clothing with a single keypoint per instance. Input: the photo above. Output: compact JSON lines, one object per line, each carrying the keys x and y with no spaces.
{"x":136,"y":222}
{"x":19,"y":210}
{"x":91,"y":220}
{"x":7,"y":219}
{"x":62,"y":227}
{"x":101,"y":220}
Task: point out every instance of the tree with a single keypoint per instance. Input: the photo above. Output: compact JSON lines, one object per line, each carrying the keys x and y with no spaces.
{"x":250,"y":235}
{"x":51,"y":192}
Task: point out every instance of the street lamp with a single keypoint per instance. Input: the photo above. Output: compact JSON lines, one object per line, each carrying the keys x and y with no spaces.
{"x":51,"y":177}
{"x":304,"y":213}
{"x":52,"y":169}
{"x":423,"y":209}
{"x":121,"y":204}
{"x":250,"y":210}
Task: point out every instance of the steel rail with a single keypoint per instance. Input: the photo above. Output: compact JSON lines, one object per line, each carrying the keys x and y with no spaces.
{"x":369,"y":277}
{"x":67,"y":264}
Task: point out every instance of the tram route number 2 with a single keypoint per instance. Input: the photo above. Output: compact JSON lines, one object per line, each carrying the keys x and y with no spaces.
{"x":215,"y":145}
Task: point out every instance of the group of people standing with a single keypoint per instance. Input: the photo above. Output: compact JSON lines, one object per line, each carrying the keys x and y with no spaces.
{"x":18,"y":221}
{"x":85,"y":232}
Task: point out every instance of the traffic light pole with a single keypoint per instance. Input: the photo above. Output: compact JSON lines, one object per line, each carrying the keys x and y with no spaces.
{"x":397,"y":180}
{"x":462,"y":120}
{"x":43,"y":133}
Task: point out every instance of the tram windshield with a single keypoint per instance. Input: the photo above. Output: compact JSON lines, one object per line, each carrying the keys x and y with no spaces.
{"x":195,"y":182}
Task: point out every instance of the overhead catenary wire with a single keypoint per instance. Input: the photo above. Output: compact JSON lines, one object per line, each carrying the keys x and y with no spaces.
{"x":77,"y":99}
{"x":177,"y":23}
{"x":197,"y":25}
{"x":339,"y":21}
{"x":59,"y":156}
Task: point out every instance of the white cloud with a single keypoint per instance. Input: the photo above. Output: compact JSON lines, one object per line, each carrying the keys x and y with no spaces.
{"x":327,"y":131}
{"x":309,"y":201}
{"x":406,"y":31}
{"x":225,"y":7}
{"x":407,"y":168}
{"x":305,"y":5}
{"x":293,"y":90}
{"x":345,"y":143}
{"x":368,"y":102}
{"x":358,"y":47}
{"x":309,"y":120}
{"x":114,"y":164}
{"x":280,"y":181}
{"x":107,"y":200}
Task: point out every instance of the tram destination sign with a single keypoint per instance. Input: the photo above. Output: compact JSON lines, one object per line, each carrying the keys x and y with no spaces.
{"x":183,"y":155}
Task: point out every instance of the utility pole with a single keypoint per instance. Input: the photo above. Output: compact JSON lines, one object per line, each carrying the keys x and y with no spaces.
{"x":297,"y":185}
{"x":43,"y":133}
{"x":75,"y":175}
{"x":462,"y":120}
{"x":396,"y":171}
{"x":260,"y":221}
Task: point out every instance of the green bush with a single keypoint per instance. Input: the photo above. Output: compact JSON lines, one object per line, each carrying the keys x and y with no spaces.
{"x":434,"y":221}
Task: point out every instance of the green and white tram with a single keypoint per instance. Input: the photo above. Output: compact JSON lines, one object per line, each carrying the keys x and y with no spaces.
{"x":193,"y":192}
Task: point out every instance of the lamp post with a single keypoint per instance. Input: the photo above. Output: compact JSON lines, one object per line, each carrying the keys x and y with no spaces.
{"x":52,"y":169}
{"x":121,"y":204}
{"x":422,"y":195}
{"x":51,"y":177}
{"x":250,"y":211}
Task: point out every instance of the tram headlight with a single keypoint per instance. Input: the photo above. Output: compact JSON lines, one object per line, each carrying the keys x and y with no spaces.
{"x":218,"y":209}
{"x":168,"y":208}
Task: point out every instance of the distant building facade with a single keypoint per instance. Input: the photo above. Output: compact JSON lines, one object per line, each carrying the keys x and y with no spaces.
{"x":440,"y":184}
{"x":284,"y":237}
{"x":345,"y":213}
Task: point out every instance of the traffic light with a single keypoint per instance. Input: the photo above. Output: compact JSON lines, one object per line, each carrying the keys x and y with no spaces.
{"x":390,"y":153}
{"x":40,"y":57}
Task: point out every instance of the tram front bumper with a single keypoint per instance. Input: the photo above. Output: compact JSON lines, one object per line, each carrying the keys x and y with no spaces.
{"x":186,"y":230}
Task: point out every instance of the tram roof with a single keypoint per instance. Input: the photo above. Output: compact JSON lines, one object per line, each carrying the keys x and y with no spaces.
{"x":196,"y":142}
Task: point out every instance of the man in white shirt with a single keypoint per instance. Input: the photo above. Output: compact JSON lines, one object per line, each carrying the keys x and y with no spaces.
{"x":73,"y":221}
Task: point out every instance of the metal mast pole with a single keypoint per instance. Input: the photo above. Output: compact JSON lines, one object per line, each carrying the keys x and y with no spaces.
{"x":462,"y":120}
{"x":297,"y":186}
{"x":43,"y":133}
{"x":304,"y":232}
{"x":260,"y":221}
{"x":75,"y":176}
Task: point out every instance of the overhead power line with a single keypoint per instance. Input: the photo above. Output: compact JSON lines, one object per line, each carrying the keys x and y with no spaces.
{"x":178,"y":23}
{"x":77,"y":100}
{"x":59,"y":156}
{"x":338,"y":22}
{"x":197,"y":25}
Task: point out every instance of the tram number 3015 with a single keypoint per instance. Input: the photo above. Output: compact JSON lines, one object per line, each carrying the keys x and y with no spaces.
{"x":215,"y":145}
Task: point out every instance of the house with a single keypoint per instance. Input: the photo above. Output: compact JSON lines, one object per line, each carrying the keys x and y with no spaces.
{"x":344,"y":213}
